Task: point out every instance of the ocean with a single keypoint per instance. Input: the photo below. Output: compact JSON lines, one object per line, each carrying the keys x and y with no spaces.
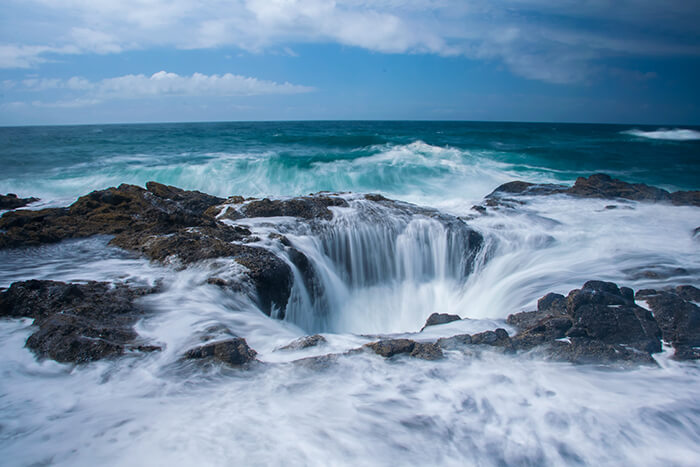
{"x":486,"y":409}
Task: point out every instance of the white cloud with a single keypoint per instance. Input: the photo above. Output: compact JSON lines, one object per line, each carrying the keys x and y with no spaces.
{"x":159,"y":84}
{"x":555,"y":41}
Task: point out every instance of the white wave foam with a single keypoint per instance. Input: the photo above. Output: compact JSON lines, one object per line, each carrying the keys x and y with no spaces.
{"x":676,"y":134}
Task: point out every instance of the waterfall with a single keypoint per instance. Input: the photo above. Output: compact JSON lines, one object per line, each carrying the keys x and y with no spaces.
{"x":380,"y":268}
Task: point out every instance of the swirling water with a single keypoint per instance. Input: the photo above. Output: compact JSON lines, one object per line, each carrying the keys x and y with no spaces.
{"x":381,"y":272}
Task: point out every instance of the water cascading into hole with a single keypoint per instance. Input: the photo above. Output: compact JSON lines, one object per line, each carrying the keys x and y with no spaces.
{"x":381,"y":269}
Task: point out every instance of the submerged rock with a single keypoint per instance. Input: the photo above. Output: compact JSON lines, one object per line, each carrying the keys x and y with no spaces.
{"x":305,"y":342}
{"x":440,"y":318}
{"x":77,"y":323}
{"x":590,"y":351}
{"x":497,"y":338}
{"x":11,"y":201}
{"x":389,"y":347}
{"x":454,"y":342}
{"x":234,"y":352}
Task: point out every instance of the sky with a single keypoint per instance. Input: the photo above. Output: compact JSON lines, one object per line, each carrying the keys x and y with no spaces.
{"x":116,"y":61}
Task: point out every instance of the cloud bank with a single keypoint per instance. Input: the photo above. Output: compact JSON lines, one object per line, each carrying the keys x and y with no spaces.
{"x":161,"y":84}
{"x":559,"y":42}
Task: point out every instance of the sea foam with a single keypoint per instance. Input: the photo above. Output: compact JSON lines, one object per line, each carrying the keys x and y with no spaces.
{"x":676,"y":134}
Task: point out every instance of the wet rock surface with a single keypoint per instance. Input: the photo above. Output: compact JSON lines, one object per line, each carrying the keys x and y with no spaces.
{"x":168,"y":224}
{"x":599,"y":185}
{"x":233,"y":352}
{"x":305,"y":342}
{"x":77,"y":323}
{"x":12,"y":201}
{"x":598,"y":323}
{"x":440,"y":318}
{"x":306,"y":207}
{"x":390,"y":347}
{"x":678,"y":317}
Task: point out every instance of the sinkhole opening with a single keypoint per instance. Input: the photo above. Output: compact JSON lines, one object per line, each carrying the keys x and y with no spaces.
{"x":382,"y":273}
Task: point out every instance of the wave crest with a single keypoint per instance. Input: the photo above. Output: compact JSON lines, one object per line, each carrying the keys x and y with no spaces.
{"x":676,"y":134}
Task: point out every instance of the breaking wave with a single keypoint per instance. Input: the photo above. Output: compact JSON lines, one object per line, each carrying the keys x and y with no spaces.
{"x":677,"y":134}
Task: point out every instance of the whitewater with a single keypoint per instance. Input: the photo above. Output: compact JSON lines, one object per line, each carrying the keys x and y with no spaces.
{"x":382,"y":271}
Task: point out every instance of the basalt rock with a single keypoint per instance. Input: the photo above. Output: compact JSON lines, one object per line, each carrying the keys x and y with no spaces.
{"x":77,"y":323}
{"x":678,"y":318}
{"x":440,"y":318}
{"x":600,"y":186}
{"x":598,"y":323}
{"x":390,"y":347}
{"x":454,"y":342}
{"x":127,"y":209}
{"x":581,"y":350}
{"x":11,"y":201}
{"x":497,"y":338}
{"x":234,"y":352}
{"x":549,"y":306}
{"x":307,"y":207}
{"x":305,"y":342}
{"x":602,"y":311}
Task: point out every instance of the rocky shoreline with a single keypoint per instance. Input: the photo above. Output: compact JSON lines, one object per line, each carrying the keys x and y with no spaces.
{"x":600,"y":323}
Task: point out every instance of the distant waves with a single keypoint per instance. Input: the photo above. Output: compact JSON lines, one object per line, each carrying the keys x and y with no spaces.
{"x":677,"y":134}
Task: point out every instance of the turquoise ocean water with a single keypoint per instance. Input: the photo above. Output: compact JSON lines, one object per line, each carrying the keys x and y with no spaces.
{"x":415,"y":159}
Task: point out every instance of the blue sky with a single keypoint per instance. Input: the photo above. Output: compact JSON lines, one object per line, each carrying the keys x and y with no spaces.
{"x":99,"y":61}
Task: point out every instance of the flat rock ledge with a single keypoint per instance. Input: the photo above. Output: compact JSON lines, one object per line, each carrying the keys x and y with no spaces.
{"x":78,"y":323}
{"x":599,"y":186}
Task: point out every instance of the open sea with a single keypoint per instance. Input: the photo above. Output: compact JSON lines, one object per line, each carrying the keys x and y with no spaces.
{"x":488,"y":409}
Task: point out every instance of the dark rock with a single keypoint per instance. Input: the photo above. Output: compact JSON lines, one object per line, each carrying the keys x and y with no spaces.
{"x":678,"y":318}
{"x":546,"y":330}
{"x":234,"y":352}
{"x":127,"y":209}
{"x":426,"y":351}
{"x":600,"y":186}
{"x":688,"y":292}
{"x":232,"y":214}
{"x":686,"y":198}
{"x":602,"y":312}
{"x":11,"y":201}
{"x":604,"y":186}
{"x":390,"y":347}
{"x":524,"y":188}
{"x":271,"y":276}
{"x":77,"y":322}
{"x":308,"y":207}
{"x":497,"y":338}
{"x":553,"y":303}
{"x":305,"y":342}
{"x":318,"y":362}
{"x":440,"y":318}
{"x":454,"y":342}
{"x":599,"y":323}
{"x":549,"y":306}
{"x":375,"y":197}
{"x":590,"y":351}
